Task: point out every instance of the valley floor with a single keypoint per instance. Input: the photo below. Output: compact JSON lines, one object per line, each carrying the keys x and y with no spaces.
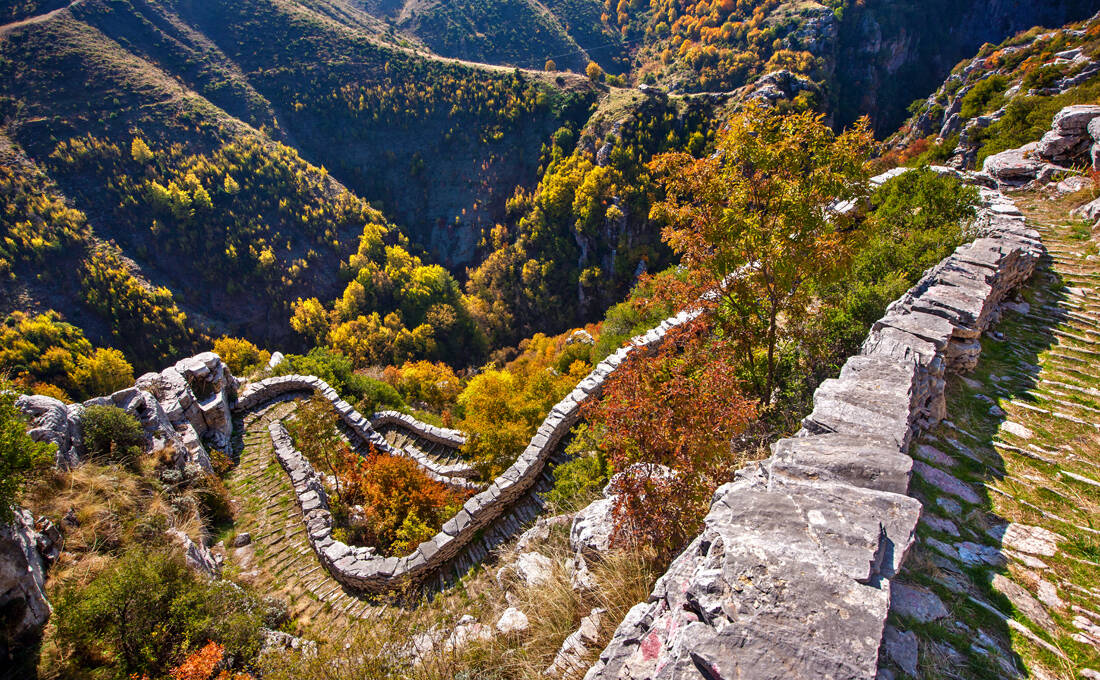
{"x":1004,"y":580}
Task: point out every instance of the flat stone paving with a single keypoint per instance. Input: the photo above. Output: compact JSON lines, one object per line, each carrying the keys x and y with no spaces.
{"x":1009,"y":544}
{"x":284,"y":565}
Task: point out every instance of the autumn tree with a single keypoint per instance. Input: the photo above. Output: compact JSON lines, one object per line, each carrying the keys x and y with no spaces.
{"x":240,"y":355}
{"x":665,"y":422}
{"x":594,"y":72}
{"x":103,"y":372}
{"x":310,"y":319}
{"x":550,"y":65}
{"x":315,"y":435}
{"x":432,"y":383}
{"x":140,"y":151}
{"x":753,"y":221}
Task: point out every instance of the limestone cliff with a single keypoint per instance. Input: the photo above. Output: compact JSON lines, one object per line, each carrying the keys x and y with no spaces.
{"x":889,"y":53}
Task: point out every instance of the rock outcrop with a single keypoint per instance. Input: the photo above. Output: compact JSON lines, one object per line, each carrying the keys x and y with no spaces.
{"x":1069,"y":140}
{"x":185,"y":406}
{"x":22,"y":579}
{"x":791,"y":576}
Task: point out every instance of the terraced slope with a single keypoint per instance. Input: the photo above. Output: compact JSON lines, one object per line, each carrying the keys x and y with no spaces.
{"x":1005,"y":578}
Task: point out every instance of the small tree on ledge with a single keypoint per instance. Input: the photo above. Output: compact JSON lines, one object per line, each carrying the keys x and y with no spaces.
{"x":756,"y":216}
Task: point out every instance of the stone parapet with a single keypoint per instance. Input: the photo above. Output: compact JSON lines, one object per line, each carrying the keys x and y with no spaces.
{"x":791,"y":575}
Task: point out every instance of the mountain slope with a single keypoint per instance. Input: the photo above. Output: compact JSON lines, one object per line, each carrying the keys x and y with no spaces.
{"x":127,"y":109}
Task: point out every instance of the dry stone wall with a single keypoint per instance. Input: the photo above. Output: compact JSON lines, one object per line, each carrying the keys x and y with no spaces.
{"x":440,"y":435}
{"x":359,"y":568}
{"x":791,"y":575}
{"x":265,"y":390}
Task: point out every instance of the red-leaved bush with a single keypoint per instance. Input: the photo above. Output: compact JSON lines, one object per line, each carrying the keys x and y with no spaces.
{"x":679,"y":409}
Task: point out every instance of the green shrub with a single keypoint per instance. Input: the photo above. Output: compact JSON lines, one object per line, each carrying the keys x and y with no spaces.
{"x":986,"y":96}
{"x":915,"y":221}
{"x":19,"y":454}
{"x":374,"y":395}
{"x":336,"y":369}
{"x":580,"y":480}
{"x":111,"y":434}
{"x":146,"y":611}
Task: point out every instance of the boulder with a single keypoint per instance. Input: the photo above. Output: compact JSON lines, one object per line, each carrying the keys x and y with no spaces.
{"x":512,"y":621}
{"x":468,"y":630}
{"x":1015,"y":167}
{"x":570,"y":659}
{"x":195,"y":555}
{"x":1058,"y":147}
{"x":916,"y":603}
{"x":1089,"y":211}
{"x":901,"y":648}
{"x":52,"y":421}
{"x":593,"y":527}
{"x":1075,"y":119}
{"x":582,"y":336}
{"x":534,"y":568}
{"x":22,"y":580}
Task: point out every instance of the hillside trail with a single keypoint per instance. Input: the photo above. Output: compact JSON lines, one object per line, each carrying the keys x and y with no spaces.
{"x":1004,"y":579}
{"x":38,"y":18}
{"x":279,"y":561}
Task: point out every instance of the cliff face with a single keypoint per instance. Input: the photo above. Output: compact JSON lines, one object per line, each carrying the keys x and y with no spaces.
{"x":890,"y":53}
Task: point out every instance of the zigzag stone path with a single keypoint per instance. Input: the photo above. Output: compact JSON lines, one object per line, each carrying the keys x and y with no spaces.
{"x":1005,"y":575}
{"x":282,"y":560}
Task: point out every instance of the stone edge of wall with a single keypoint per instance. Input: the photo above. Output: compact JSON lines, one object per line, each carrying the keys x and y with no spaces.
{"x":440,"y":435}
{"x":790,"y":576}
{"x":359,"y":568}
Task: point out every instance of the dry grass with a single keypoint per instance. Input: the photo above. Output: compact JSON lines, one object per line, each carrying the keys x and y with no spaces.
{"x":115,"y":508}
{"x":412,"y":642}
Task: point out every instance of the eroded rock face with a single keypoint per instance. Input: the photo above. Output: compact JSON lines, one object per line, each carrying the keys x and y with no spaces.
{"x":22,"y":579}
{"x":593,"y":527}
{"x":179,"y":407}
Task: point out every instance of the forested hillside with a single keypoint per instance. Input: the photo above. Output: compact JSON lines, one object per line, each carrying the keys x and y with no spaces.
{"x":224,"y":167}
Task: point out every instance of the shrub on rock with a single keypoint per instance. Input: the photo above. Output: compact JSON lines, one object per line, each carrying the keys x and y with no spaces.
{"x":111,"y":434}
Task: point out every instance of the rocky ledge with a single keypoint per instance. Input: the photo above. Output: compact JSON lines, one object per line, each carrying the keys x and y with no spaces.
{"x":183,"y":406}
{"x":791,"y":576}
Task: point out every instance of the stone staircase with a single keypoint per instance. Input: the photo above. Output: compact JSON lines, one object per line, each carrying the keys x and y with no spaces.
{"x":1004,"y":580}
{"x":283,"y":564}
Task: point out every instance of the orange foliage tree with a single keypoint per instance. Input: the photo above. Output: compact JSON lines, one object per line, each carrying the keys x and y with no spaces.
{"x":401,"y":504}
{"x":678,"y":409}
{"x":203,"y":663}
{"x":753,"y":222}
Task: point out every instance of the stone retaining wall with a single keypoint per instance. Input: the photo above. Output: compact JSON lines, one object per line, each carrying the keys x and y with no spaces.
{"x":359,"y":568}
{"x":456,"y":439}
{"x":790,"y":577}
{"x":265,"y":390}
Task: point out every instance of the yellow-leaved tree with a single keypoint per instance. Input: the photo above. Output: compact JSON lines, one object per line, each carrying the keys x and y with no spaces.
{"x":756,"y":218}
